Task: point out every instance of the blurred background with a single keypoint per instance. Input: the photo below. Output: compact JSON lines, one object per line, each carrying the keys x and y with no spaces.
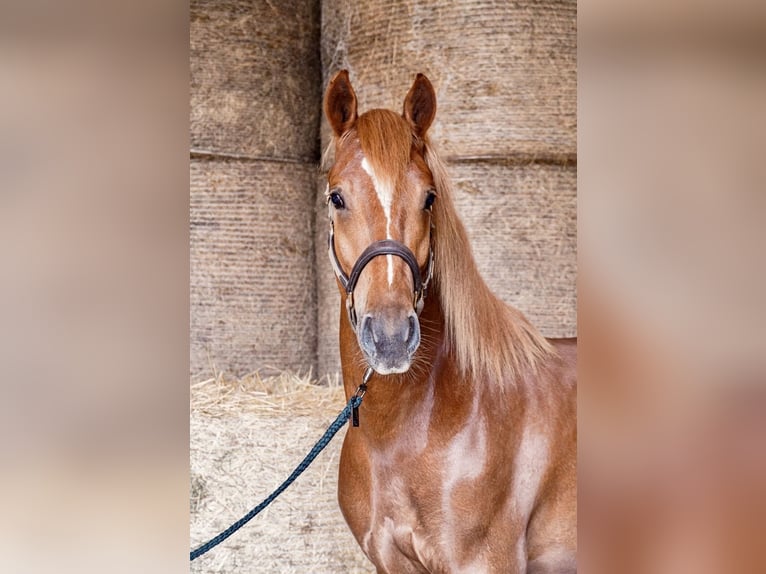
{"x":95,"y":292}
{"x":94,"y":286}
{"x":671,"y":205}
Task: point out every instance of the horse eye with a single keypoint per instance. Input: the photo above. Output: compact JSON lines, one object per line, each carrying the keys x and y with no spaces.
{"x":430,"y":198}
{"x":336,"y":200}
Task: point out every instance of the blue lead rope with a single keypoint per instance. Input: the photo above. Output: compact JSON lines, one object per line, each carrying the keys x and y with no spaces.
{"x":353,"y":404}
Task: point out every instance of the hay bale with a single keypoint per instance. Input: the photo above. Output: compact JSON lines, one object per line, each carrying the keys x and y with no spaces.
{"x":255,"y":77}
{"x":246,"y":438}
{"x":252,"y":295}
{"x":255,"y":95}
{"x":505,"y":72}
{"x":522,"y":222}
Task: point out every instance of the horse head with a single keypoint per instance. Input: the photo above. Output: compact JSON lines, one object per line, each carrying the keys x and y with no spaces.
{"x":380,"y":195}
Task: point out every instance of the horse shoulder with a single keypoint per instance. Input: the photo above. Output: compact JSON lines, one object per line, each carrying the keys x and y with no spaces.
{"x":551,"y":532}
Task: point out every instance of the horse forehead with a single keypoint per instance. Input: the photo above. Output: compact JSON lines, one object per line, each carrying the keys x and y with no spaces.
{"x":348,"y":159}
{"x":364,"y":173}
{"x":386,"y":181}
{"x":399,"y":179}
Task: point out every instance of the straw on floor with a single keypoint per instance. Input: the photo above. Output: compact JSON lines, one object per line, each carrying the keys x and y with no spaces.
{"x":246,"y":437}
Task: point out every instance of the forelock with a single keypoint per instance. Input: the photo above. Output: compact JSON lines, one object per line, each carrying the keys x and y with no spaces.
{"x":386,"y":141}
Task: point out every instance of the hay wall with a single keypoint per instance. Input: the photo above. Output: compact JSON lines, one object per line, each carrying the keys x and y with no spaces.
{"x":506,"y":81}
{"x":255,"y":78}
{"x":244,"y":442}
{"x":252,"y":271}
{"x":505,"y":72}
{"x":255,"y":88}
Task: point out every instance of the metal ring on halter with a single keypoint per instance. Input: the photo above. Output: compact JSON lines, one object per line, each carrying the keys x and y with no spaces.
{"x":376,"y":249}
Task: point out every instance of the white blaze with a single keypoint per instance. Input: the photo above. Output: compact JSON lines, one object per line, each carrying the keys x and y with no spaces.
{"x":385,"y":193}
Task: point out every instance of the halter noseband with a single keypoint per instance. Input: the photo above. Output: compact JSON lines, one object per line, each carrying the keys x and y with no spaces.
{"x":376,"y":249}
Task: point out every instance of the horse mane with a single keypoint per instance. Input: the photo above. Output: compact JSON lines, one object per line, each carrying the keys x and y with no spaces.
{"x":487,"y":337}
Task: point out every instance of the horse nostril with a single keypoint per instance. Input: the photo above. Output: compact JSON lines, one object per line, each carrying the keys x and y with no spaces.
{"x":410,"y":328}
{"x":366,"y":331}
{"x":413,"y":334}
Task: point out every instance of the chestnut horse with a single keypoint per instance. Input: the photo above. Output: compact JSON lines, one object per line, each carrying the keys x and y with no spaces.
{"x":464,"y":458}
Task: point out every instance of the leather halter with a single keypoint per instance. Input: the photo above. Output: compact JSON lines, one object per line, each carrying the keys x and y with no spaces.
{"x":376,"y":249}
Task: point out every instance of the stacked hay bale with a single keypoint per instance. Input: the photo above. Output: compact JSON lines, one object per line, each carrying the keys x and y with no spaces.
{"x":246,"y":438}
{"x":255,"y":92}
{"x":505,"y":75}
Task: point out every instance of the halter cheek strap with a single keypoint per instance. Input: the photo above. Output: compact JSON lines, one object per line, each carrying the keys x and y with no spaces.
{"x":376,"y":249}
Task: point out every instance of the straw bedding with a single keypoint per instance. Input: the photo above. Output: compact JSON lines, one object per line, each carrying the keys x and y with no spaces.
{"x":246,"y":437}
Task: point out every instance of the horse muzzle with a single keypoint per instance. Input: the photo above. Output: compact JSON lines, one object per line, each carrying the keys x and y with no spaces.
{"x":389,"y":340}
{"x":389,"y":337}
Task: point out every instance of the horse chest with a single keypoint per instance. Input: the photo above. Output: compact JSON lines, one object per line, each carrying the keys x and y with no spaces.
{"x":402,"y":534}
{"x":422,"y":520}
{"x":428,"y":531}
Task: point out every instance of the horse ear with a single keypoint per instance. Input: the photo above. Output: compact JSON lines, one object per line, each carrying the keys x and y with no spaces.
{"x":420,"y":105}
{"x":340,"y":103}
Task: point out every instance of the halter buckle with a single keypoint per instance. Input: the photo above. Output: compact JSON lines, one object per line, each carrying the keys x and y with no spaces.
{"x":361,"y":390}
{"x":350,"y":309}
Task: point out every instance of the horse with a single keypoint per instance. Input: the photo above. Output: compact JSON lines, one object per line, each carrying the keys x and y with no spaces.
{"x":464,"y":459}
